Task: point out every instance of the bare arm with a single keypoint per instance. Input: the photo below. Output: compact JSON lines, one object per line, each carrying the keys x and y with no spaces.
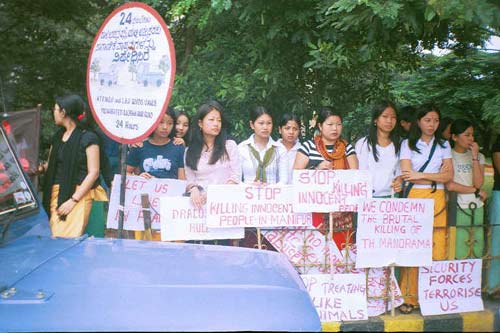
{"x":301,"y":161}
{"x":443,"y":176}
{"x":92,"y":153}
{"x":477,"y":168}
{"x":353,"y":162}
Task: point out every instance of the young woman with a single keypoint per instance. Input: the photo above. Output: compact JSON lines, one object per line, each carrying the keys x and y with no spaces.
{"x":468,"y":177}
{"x":181,"y":128}
{"x":329,"y":151}
{"x":72,"y":179}
{"x":378,"y":152}
{"x":425,"y":180}
{"x":289,"y":129}
{"x":210,"y":158}
{"x":261,"y":156}
{"x":158,"y":157}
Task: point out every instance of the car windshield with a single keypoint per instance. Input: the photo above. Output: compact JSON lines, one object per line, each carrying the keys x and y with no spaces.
{"x":15,"y":193}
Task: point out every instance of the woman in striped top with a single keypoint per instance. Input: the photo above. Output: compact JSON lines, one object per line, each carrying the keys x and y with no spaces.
{"x":328,"y":151}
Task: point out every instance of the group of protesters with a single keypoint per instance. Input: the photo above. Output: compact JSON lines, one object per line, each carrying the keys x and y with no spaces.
{"x":412,"y":155}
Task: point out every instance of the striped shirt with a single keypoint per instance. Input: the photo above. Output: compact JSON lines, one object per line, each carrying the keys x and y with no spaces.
{"x":308,"y":148}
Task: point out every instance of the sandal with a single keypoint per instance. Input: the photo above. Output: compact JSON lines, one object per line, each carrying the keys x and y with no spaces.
{"x":406,"y":308}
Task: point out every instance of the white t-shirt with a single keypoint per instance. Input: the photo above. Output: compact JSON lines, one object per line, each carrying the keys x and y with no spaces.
{"x":289,"y":158}
{"x":276,"y":171}
{"x":383,"y":171}
{"x":462,"y":167}
{"x":419,"y":159}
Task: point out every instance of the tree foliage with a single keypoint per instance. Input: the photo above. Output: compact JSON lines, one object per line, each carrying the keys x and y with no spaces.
{"x":288,"y":55}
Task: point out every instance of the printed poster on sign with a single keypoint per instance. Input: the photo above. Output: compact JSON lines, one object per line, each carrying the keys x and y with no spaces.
{"x":180,"y":220}
{"x":450,"y":287}
{"x":338,"y":297}
{"x":394,"y":231}
{"x":326,"y":191}
{"x":230,"y":206}
{"x":130,"y":72}
{"x":135,"y":186}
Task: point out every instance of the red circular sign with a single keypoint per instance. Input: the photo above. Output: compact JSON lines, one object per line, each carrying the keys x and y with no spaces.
{"x":130,"y":72}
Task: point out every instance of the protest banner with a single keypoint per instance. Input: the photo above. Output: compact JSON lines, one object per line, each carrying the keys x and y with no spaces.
{"x":338,"y":297}
{"x":378,"y":293}
{"x":451,"y":286}
{"x":135,"y":186}
{"x":308,"y":251}
{"x":230,"y":206}
{"x":180,"y":220}
{"x":130,"y":72}
{"x":325,"y":191}
{"x":394,"y":232}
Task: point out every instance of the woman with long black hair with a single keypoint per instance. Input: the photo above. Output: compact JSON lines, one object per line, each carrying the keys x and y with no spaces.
{"x":72,"y":179}
{"x":210,"y":158}
{"x":378,"y":152}
{"x":426,"y":165}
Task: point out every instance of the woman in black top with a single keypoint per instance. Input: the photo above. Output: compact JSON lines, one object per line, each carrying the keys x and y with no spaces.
{"x":72,"y":179}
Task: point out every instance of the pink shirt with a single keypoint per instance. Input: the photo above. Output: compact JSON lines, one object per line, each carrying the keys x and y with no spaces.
{"x":220,"y":172}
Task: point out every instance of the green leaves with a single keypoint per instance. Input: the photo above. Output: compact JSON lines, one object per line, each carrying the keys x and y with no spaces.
{"x":288,"y":55}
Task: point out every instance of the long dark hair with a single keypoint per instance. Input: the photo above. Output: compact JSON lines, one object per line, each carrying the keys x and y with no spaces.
{"x":372,"y":138}
{"x":75,"y":107}
{"x":219,"y":152}
{"x":179,"y":113}
{"x":416,"y":133}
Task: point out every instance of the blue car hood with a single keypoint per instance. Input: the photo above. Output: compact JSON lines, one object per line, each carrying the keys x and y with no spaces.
{"x":104,"y":284}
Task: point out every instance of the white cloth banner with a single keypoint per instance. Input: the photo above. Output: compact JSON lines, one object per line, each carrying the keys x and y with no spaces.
{"x":230,"y":206}
{"x":180,"y":220}
{"x":395,"y":231}
{"x":134,"y":187}
{"x":450,"y":287}
{"x":325,"y":191}
{"x":338,"y":297}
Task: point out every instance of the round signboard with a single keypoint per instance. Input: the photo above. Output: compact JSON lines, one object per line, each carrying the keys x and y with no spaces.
{"x":130,"y":72}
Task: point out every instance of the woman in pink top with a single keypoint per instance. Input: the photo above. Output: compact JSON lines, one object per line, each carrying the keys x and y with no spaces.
{"x":211,"y":158}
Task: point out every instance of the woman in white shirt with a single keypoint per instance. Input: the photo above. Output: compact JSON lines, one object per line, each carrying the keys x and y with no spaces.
{"x":289,"y":129}
{"x":378,"y":152}
{"x":468,"y":177}
{"x":260,"y":155}
{"x":426,"y":181}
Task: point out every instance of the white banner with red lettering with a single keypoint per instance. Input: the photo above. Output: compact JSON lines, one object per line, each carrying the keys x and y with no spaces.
{"x":450,"y":287}
{"x":325,"y":191}
{"x":180,"y":220}
{"x":338,"y":297}
{"x":395,"y":231}
{"x":134,"y":187}
{"x":230,"y":206}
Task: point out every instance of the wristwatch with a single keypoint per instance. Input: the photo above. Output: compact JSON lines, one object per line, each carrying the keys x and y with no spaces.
{"x":476,"y":193}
